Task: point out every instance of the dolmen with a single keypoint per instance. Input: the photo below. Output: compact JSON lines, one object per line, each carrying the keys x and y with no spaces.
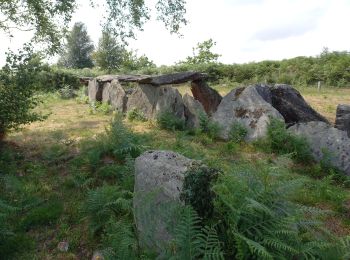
{"x":252,"y":107}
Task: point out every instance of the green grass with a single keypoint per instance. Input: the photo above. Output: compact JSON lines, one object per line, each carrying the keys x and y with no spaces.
{"x":63,"y":174}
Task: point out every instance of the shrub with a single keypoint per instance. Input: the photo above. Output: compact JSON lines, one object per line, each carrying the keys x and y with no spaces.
{"x":196,"y":190}
{"x":192,"y":241}
{"x":237,"y":133}
{"x":259,"y":220}
{"x":43,"y":215}
{"x":118,"y":142}
{"x":208,"y":127}
{"x":280,"y":141}
{"x":105,"y":203}
{"x":82,"y":97}
{"x":100,"y":107}
{"x":17,"y":88}
{"x":167,"y":120}
{"x":136,"y":115}
{"x":66,"y":92}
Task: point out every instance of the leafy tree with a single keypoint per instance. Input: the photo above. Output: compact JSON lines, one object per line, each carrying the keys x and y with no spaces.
{"x":18,"y":80}
{"x":202,"y":53}
{"x":78,"y":49}
{"x":134,"y":62}
{"x":49,"y":18}
{"x":110,"y":54}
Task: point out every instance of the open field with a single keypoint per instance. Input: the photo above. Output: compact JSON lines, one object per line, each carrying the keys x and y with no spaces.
{"x":50,"y":161}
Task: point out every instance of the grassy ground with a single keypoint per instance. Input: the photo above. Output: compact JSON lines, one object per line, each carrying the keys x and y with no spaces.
{"x":43,"y":158}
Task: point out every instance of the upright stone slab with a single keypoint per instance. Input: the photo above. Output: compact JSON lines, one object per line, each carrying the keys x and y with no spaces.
{"x":159,"y":177}
{"x":245,"y":106}
{"x":152,"y":101}
{"x":118,"y":96}
{"x":106,"y":88}
{"x":342,"y":121}
{"x":208,"y":97}
{"x":323,"y":138}
{"x":292,"y":106}
{"x":193,"y":110}
{"x":95,"y":92}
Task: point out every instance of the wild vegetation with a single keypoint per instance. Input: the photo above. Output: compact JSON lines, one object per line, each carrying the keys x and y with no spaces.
{"x":75,"y":184}
{"x":67,"y":166}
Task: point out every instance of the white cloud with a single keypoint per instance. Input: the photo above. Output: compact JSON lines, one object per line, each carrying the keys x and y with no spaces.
{"x":245,"y":31}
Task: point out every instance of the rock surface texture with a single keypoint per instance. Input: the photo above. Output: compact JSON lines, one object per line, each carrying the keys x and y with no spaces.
{"x":324,"y":138}
{"x":193,"y":110}
{"x":152,"y":101}
{"x":159,"y":177}
{"x":118,"y":96}
{"x":292,"y":106}
{"x":208,"y":97}
{"x":245,"y":106}
{"x":342,"y":121}
{"x":94,"y":91}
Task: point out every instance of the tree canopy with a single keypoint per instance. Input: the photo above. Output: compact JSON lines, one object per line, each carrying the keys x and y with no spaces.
{"x":109,"y":54}
{"x":48,"y":19}
{"x":202,"y":53}
{"x":78,"y":49}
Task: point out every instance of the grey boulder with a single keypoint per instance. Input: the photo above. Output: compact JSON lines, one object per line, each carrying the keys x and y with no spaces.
{"x":118,"y":97}
{"x":292,"y":106}
{"x":324,"y":138}
{"x":159,"y":177}
{"x":94,"y":91}
{"x":152,"y":101}
{"x":342,"y":121}
{"x":193,"y":110}
{"x":245,"y":106}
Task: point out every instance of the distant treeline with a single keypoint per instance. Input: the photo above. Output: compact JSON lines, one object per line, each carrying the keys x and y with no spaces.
{"x":331,"y":68}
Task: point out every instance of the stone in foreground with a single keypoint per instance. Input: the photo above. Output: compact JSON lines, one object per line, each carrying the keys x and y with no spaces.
{"x":159,"y":177}
{"x":245,"y":106}
{"x":342,"y":121}
{"x":324,"y":138}
{"x":292,"y":106}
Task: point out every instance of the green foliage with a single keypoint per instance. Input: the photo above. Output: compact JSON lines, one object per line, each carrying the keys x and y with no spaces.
{"x":196,"y":190}
{"x":109,"y":54}
{"x":237,"y":133}
{"x":42,"y":215}
{"x":202,"y":53}
{"x":17,"y":85}
{"x":281,"y":142}
{"x":208,"y":127}
{"x":194,"y":242}
{"x":78,"y":49}
{"x":169,"y":121}
{"x":133,"y":62}
{"x":66,"y":92}
{"x":119,"y":241}
{"x":82,"y":97}
{"x":104,"y":203}
{"x":259,"y":219}
{"x":118,"y":142}
{"x":136,"y":115}
{"x":100,"y":107}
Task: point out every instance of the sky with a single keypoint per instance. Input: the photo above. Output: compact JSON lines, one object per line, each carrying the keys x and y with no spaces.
{"x":244,"y":30}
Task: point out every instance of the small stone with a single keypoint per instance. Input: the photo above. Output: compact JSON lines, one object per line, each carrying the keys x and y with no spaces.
{"x":97,"y":256}
{"x":63,"y":246}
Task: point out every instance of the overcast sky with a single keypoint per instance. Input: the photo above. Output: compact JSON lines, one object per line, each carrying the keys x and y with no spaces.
{"x":244,"y":30}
